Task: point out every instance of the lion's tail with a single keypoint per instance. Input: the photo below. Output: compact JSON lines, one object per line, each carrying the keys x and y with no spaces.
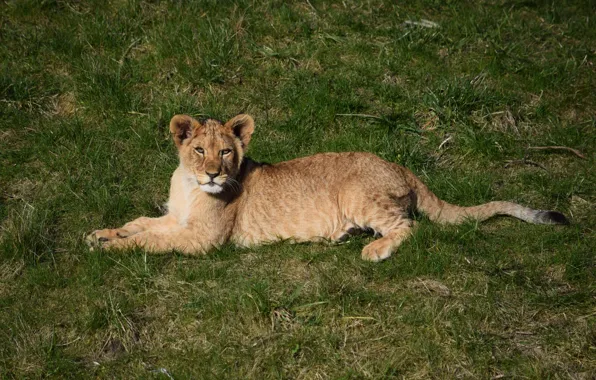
{"x":445,"y":213}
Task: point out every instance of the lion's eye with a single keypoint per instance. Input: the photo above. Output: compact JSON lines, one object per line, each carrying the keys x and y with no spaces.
{"x":225,"y":152}
{"x":200,"y":150}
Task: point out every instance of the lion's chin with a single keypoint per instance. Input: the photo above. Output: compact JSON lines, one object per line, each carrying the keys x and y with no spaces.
{"x":211,"y":188}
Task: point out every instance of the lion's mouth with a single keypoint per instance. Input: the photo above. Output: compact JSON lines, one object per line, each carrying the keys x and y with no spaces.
{"x":211,"y":187}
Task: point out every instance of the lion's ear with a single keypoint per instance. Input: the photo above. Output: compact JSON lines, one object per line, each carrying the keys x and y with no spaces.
{"x":181,"y":126}
{"x":243,"y":126}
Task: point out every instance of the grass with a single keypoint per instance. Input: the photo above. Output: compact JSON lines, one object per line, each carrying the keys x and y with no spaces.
{"x":87,"y":89}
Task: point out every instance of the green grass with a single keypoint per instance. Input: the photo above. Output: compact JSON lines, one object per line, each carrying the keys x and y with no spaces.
{"x":87,"y":89}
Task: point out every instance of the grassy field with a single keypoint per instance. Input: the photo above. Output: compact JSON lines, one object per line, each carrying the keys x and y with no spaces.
{"x":87,"y":89}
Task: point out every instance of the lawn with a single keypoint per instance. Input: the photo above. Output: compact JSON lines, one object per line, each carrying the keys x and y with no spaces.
{"x":459,"y":92}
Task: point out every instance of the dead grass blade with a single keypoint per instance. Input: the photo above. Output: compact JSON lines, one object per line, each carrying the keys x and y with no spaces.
{"x":524,"y":162}
{"x":574,"y":151}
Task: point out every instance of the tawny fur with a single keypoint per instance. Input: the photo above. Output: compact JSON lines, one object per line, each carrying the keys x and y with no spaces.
{"x":218,"y":196}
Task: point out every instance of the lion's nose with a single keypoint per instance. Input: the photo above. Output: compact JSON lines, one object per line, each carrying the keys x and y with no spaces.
{"x":212,"y":175}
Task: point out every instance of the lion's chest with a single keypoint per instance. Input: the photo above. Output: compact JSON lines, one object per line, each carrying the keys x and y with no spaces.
{"x":184,"y":190}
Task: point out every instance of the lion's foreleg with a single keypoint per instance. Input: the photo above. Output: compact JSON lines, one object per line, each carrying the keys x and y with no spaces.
{"x":134,"y":227}
{"x":144,"y":223}
{"x":182,"y":240}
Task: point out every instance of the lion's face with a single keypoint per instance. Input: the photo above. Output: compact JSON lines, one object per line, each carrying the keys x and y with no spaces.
{"x":212,"y":151}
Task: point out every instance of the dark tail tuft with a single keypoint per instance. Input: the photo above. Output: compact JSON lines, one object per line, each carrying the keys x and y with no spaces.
{"x":551,"y":217}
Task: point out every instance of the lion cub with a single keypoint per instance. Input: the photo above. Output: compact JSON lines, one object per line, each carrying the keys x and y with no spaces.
{"x":218,"y":195}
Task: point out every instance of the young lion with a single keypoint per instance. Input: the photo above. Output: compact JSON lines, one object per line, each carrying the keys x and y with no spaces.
{"x":219,"y":195}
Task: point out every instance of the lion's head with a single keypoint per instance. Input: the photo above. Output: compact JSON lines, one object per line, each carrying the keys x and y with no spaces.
{"x":212,"y":151}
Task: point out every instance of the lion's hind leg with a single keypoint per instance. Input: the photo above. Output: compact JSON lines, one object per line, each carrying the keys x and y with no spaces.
{"x":383,"y":247}
{"x":388,"y":215}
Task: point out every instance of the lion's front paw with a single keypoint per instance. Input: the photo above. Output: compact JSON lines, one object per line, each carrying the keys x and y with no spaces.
{"x":102,"y":238}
